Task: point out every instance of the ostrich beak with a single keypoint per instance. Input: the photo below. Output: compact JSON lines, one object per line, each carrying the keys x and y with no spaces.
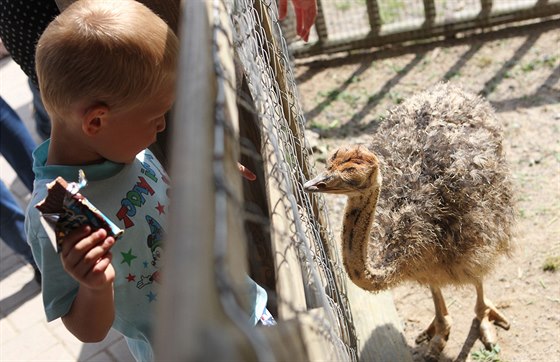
{"x":318,"y":184}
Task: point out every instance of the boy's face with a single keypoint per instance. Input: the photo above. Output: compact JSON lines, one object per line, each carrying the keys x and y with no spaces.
{"x":129,"y":131}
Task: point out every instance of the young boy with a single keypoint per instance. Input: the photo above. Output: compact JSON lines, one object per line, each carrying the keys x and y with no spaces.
{"x":106,"y":72}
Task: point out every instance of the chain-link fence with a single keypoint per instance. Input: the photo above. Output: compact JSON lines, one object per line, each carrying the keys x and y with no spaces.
{"x":237,"y":100}
{"x":345,"y":25}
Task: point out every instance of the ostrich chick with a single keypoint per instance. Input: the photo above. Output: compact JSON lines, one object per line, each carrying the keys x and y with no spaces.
{"x":445,"y":212}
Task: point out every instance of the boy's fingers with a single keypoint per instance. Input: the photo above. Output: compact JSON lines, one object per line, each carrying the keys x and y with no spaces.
{"x":75,"y":235}
{"x":73,"y":253}
{"x":101,"y":273}
{"x":91,"y":260}
{"x":102,"y":263}
{"x":85,"y":244}
{"x":98,"y":251}
{"x":246,"y":173}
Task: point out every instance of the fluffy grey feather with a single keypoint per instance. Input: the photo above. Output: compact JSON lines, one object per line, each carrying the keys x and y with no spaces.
{"x":445,"y":211}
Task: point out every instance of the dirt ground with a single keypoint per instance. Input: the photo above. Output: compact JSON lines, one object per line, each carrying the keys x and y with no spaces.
{"x":518,"y":71}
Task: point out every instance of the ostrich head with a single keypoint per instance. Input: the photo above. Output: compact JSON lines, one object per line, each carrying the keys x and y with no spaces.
{"x":350,"y":171}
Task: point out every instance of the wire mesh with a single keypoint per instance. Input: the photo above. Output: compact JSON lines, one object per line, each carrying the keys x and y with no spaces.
{"x":245,"y":104}
{"x":355,"y":24}
{"x":296,"y":222}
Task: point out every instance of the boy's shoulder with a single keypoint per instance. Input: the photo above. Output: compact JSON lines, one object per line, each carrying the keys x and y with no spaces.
{"x":39,"y":193}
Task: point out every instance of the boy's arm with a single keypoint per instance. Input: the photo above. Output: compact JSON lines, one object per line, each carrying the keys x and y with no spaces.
{"x":91,"y":316}
{"x":86,"y":257}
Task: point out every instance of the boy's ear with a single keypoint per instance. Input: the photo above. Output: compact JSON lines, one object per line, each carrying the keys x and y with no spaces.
{"x":94,"y":118}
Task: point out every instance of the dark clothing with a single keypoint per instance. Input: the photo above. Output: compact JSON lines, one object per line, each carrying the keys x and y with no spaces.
{"x":21,"y":24}
{"x":16,"y":145}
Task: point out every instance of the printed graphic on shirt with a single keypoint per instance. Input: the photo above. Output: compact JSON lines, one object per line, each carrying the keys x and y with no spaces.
{"x":141,"y":209}
{"x":154,"y":243}
{"x":136,"y":197}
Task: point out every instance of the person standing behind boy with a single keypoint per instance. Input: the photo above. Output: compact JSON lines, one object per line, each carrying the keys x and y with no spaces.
{"x":106,"y":72}
{"x":21,"y":24}
{"x":16,"y":145}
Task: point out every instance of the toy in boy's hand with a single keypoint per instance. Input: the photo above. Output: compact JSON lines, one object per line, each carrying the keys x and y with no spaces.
{"x":64,"y":210}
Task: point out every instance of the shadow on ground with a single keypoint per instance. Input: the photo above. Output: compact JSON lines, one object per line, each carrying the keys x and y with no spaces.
{"x":362,"y":119}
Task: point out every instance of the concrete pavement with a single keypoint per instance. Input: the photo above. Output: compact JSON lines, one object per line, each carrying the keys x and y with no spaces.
{"x":25,"y":334}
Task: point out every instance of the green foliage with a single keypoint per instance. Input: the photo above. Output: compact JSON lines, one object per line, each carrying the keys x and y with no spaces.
{"x":484,"y":62}
{"x":343,"y":5}
{"x":455,"y":74}
{"x":484,"y":355}
{"x":390,"y":10}
{"x":529,"y":67}
{"x":324,"y":127}
{"x":550,"y":61}
{"x":344,"y":96}
{"x":397,"y":69}
{"x":349,"y":98}
{"x":396,"y":97}
{"x":551,"y":264}
{"x":546,"y":61}
{"x":332,"y":94}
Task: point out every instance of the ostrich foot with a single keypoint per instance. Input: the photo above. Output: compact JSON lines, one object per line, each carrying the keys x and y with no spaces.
{"x":437,"y":335}
{"x":489,"y":317}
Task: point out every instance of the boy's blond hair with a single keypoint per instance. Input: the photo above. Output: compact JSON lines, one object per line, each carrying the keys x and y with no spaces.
{"x":114,"y":52}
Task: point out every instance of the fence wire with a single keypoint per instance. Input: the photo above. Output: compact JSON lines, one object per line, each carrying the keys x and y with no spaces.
{"x":290,"y":246}
{"x":344,"y":25}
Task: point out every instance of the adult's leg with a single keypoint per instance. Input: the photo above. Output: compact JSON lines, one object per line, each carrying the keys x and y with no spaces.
{"x":16,"y":144}
{"x":12,"y":225}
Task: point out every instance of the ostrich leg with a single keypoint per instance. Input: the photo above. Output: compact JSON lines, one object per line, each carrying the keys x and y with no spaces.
{"x":487,"y":315}
{"x":438,"y":331}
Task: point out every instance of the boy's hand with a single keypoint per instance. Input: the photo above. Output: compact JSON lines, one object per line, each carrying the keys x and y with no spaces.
{"x":86,"y":257}
{"x":306,"y":11}
{"x":246,"y":173}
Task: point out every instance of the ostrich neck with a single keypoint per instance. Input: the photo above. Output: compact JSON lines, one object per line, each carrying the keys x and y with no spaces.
{"x":358,"y":219}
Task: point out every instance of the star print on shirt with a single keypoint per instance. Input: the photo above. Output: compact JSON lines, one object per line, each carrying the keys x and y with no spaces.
{"x":151,"y":296}
{"x":131,"y":277}
{"x":160,"y":208}
{"x":128,"y":257}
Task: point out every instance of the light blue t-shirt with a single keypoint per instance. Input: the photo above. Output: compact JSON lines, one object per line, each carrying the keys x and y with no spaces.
{"x":136,"y":198}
